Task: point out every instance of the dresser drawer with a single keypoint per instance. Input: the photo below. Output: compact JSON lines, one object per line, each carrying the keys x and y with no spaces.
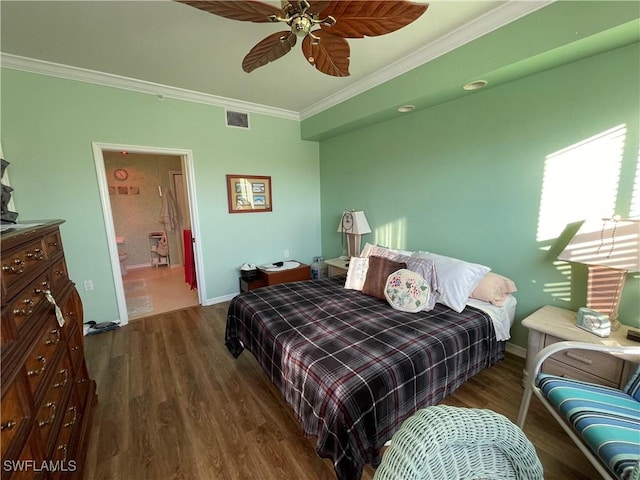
{"x":19,"y":264}
{"x":30,"y":457}
{"x":27,"y":301}
{"x":40,"y":358}
{"x":14,"y":414}
{"x":75,"y":348}
{"x":53,"y":244}
{"x":559,"y":369}
{"x":59,"y":276}
{"x":53,"y":404}
{"x":597,"y":364}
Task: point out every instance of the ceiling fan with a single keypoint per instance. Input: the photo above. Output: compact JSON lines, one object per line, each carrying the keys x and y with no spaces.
{"x":325,"y":48}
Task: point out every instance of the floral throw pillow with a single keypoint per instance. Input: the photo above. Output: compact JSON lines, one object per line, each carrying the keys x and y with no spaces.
{"x":407,"y":291}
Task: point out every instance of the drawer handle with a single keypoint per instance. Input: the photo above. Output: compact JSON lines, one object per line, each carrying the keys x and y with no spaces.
{"x":22,"y":312}
{"x":61,"y":273}
{"x":8,"y":425}
{"x":73,"y":409}
{"x":53,"y":244}
{"x":75,"y":348}
{"x":45,"y":285}
{"x":37,"y":254}
{"x":579,"y":358}
{"x":52,"y":417}
{"x":34,"y":373}
{"x":55,"y":332}
{"x":64,"y":372}
{"x":16,"y":269}
{"x":63,"y":447}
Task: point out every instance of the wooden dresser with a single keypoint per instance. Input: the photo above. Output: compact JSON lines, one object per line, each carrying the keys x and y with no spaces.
{"x":47,"y":395}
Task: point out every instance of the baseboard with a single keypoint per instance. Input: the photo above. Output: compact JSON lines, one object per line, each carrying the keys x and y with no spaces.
{"x":516,"y":350}
{"x":225,"y":298}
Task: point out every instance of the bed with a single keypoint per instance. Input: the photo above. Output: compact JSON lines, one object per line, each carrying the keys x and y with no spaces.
{"x":351,"y":367}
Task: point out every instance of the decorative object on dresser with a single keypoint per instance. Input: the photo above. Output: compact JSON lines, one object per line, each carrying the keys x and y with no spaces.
{"x":352,"y":226}
{"x":611,"y":248}
{"x":550,"y":325}
{"x":47,"y":395}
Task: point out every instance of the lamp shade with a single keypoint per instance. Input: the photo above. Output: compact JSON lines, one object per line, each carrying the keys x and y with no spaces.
{"x":609,"y":243}
{"x":354,"y":222}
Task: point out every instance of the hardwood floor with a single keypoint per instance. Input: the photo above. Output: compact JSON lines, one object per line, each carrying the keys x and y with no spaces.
{"x":174,"y":404}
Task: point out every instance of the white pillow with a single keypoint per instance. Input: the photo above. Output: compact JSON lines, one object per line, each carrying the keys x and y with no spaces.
{"x":456,"y":279}
{"x":357,"y":273}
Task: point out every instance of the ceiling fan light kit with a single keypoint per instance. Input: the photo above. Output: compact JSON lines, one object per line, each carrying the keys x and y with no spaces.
{"x":326,"y":48}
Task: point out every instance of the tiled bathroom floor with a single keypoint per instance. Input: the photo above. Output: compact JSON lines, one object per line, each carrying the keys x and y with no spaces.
{"x":153,"y":290}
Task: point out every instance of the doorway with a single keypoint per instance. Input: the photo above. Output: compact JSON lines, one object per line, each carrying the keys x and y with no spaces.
{"x":146,"y":227}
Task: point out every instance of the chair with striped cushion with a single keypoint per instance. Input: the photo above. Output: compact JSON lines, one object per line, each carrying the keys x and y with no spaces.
{"x":604,"y":422}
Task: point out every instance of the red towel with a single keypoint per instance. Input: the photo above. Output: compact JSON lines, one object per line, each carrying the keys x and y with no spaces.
{"x":189,"y":260}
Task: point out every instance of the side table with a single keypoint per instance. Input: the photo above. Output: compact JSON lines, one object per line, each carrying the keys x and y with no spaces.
{"x":337,"y":266}
{"x":552,"y":324}
{"x":302,"y":272}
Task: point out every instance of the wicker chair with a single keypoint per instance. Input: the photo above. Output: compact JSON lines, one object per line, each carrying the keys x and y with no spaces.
{"x":444,"y":442}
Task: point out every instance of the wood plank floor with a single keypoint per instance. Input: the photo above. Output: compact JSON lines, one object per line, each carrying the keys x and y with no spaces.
{"x":174,"y":404}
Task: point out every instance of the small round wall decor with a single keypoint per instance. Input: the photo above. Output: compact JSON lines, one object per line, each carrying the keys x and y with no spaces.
{"x":120,"y":174}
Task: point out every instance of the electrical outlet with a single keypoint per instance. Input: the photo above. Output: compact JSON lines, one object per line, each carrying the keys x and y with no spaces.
{"x":88,"y":285}
{"x":286,"y":254}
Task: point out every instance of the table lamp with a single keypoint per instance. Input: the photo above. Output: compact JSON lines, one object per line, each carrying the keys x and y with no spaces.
{"x":610,"y":248}
{"x":352,"y":226}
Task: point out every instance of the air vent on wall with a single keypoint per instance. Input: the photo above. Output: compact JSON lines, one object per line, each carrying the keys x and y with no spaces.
{"x":237,"y":119}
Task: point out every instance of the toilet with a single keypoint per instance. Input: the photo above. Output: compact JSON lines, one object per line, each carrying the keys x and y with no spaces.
{"x":122,"y":254}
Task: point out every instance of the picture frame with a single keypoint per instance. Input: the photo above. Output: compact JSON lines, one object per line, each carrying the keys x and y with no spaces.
{"x":249,"y":193}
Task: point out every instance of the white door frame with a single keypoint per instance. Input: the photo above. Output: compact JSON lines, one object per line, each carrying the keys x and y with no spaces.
{"x":187,"y":162}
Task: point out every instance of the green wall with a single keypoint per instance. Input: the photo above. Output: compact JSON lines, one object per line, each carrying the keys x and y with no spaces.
{"x":49,"y":124}
{"x":464,"y":178}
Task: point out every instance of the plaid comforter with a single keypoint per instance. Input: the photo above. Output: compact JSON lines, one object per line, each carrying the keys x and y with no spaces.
{"x":351,"y":367}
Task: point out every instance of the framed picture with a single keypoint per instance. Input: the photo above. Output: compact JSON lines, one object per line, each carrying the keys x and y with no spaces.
{"x":248,"y":193}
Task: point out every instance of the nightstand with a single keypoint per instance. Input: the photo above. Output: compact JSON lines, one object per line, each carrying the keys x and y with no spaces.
{"x":337,"y":266}
{"x":551,"y":324}
{"x":302,"y":272}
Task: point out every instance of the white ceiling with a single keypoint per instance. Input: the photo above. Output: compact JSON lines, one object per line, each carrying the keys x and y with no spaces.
{"x":175,"y":45}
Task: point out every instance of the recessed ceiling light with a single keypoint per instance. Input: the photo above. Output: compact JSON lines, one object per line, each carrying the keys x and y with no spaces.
{"x":406,"y":108}
{"x":475,"y":85}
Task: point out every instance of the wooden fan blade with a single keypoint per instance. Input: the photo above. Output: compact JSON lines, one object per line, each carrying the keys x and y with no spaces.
{"x":318,"y":6}
{"x":314,"y":6}
{"x":246,"y":11}
{"x":330,"y":55}
{"x":370,"y":18}
{"x":268,"y":49}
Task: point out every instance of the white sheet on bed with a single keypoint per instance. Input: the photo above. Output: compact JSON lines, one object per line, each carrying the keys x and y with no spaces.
{"x":502,"y":317}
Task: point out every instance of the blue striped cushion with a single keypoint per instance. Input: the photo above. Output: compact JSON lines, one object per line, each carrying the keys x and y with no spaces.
{"x":607,"y":419}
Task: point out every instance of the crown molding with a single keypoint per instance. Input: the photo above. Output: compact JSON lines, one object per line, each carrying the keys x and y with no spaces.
{"x":507,"y":13}
{"x":510,"y":11}
{"x":42,"y":67}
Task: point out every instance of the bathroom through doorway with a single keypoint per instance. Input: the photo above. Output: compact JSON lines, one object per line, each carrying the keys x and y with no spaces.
{"x":149,"y":212}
